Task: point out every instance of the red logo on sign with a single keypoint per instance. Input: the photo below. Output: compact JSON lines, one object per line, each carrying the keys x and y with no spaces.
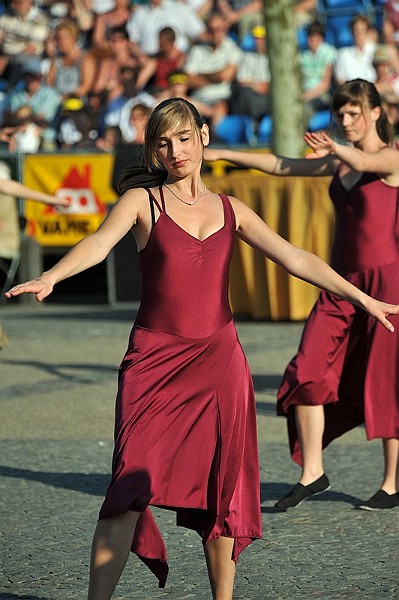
{"x":76,"y":188}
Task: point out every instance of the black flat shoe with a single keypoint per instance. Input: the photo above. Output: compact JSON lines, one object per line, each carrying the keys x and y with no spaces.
{"x":380,"y":500}
{"x":300,"y":493}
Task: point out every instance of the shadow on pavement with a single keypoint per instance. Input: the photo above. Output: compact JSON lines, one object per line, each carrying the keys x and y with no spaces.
{"x":266,"y":408}
{"x":56,"y":369}
{"x":88,"y":483}
{"x":266,"y":383}
{"x":18,"y":597}
{"x":58,"y":313}
{"x":273,"y":491}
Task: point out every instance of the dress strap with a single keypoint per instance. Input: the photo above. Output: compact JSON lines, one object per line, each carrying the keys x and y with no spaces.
{"x":153,"y":201}
{"x":162,"y":198}
{"x":229,"y":214}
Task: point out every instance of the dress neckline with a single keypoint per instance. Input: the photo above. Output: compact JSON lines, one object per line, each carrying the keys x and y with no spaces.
{"x":201,"y":241}
{"x":185,"y":230}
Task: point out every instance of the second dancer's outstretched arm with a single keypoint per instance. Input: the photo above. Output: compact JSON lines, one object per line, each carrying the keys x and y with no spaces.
{"x":273,"y":164}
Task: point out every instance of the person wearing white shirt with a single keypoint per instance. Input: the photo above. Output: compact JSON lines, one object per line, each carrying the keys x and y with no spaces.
{"x":211,"y":68}
{"x":147,"y":21}
{"x":357,"y":61}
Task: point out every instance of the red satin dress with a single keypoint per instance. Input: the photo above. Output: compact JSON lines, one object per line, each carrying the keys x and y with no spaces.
{"x":347,"y":361}
{"x":185,"y":433}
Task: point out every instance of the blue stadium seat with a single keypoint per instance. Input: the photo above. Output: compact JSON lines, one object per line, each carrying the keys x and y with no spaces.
{"x":264,"y":134}
{"x":302,"y":38}
{"x":339,"y":28}
{"x":248,"y":43}
{"x":378,"y":8}
{"x":336,"y":4}
{"x":320,"y":120}
{"x":235,"y":129}
{"x":336,"y":15}
{"x":344,"y":6}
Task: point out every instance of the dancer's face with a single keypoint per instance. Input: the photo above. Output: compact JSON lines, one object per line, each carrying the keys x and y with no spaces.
{"x":181,"y":149}
{"x":355,"y":122}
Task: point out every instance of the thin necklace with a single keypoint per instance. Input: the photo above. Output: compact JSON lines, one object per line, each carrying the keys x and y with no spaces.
{"x":185,"y":201}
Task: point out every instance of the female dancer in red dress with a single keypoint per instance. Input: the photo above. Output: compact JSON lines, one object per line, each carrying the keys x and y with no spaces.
{"x":335,"y":382}
{"x":185,"y":435}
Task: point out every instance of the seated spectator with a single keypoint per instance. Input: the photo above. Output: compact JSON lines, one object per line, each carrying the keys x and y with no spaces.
{"x":139,"y":116}
{"x":111,"y":139}
{"x":211,"y":68}
{"x":178,"y":88}
{"x":117,"y":111}
{"x":23,"y":31}
{"x":390,"y":23}
{"x":250,"y":93}
{"x":78,"y":11}
{"x":43,"y":100}
{"x":73,"y":71}
{"x":121,"y":54}
{"x":387,"y":82}
{"x":241,"y":16}
{"x":357,"y":60}
{"x":76,"y":127}
{"x":27,"y":134}
{"x":390,"y":30}
{"x":148,"y":19}
{"x":106,"y":22}
{"x":317,"y":67}
{"x":154,"y":75}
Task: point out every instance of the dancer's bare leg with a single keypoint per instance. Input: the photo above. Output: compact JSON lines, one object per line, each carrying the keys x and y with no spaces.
{"x":221,"y":567}
{"x":110,"y":550}
{"x":390,"y":484}
{"x":310,"y":427}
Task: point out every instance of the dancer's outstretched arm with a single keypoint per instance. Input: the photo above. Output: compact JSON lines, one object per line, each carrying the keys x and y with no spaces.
{"x":304,"y":265}
{"x":273,"y":164}
{"x":92,"y":249}
{"x":14,"y":188}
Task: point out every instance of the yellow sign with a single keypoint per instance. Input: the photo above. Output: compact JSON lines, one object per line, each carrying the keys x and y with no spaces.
{"x":85,"y":179}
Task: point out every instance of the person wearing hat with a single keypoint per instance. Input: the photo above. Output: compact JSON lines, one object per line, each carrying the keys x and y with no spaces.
{"x":250,"y":95}
{"x":44,"y":101}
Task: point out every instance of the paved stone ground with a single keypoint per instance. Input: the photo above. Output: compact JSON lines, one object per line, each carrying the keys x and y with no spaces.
{"x":58,"y":381}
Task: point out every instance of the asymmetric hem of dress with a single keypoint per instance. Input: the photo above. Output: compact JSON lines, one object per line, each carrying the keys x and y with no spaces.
{"x":346,"y":360}
{"x":185,"y":433}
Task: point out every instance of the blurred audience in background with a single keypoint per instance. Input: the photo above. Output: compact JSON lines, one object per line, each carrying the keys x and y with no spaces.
{"x":317,"y":67}
{"x":357,"y":60}
{"x":250,"y":90}
{"x":72,"y":70}
{"x":24,"y":29}
{"x":154,"y":74}
{"x":211,"y":68}
{"x":116,"y":59}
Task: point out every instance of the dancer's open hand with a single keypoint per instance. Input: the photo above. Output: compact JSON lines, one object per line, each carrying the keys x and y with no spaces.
{"x":41,"y":287}
{"x":380,"y":311}
{"x":321,"y":144}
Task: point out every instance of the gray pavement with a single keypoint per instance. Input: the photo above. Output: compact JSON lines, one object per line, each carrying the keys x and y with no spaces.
{"x":57,"y":390}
